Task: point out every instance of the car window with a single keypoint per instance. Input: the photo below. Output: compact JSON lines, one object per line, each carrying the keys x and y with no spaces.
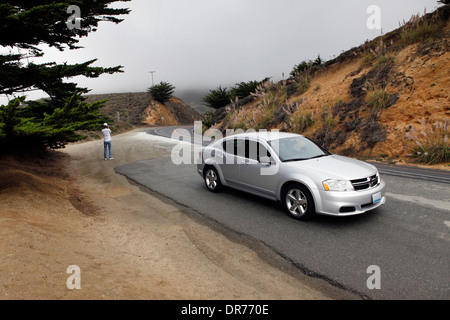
{"x":239,"y":146}
{"x":235,"y":147}
{"x":297,"y":148}
{"x":228,"y":146}
{"x":255,"y":150}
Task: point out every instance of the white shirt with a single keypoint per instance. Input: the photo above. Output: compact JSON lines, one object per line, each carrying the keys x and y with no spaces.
{"x":107,"y":134}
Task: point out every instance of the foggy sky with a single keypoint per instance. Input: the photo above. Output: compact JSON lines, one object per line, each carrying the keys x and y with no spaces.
{"x":203,"y":44}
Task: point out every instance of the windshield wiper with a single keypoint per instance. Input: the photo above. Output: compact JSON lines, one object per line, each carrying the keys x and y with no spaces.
{"x":301,"y":159}
{"x":319,"y":156}
{"x":295,"y":159}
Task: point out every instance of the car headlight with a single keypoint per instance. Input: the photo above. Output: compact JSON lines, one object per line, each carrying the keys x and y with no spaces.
{"x":337,"y":185}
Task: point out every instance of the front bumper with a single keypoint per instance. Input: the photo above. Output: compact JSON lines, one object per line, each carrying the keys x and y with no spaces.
{"x":350,"y":203}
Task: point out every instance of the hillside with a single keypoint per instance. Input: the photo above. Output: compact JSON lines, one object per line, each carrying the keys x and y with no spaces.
{"x":138,"y":108}
{"x":173,"y":112}
{"x":387,"y":99}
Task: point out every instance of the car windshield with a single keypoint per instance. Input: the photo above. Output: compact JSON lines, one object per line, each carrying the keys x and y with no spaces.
{"x":297,"y":148}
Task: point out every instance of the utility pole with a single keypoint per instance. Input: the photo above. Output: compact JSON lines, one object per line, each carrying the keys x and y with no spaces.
{"x":152,"y":72}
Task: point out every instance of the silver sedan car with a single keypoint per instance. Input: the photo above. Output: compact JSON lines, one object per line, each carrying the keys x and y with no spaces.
{"x":289,"y":168}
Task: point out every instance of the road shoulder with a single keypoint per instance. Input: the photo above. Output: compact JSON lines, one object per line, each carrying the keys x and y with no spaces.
{"x":128,"y":242}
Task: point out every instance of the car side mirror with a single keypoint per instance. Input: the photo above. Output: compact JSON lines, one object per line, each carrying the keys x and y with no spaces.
{"x":265,"y":161}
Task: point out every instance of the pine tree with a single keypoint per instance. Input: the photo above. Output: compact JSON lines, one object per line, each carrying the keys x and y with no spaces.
{"x":24,"y":26}
{"x":217,"y":98}
{"x":20,"y":128}
{"x":161,"y":92}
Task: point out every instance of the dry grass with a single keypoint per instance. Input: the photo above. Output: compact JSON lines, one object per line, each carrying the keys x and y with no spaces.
{"x":383,"y":88}
{"x":432,"y":142}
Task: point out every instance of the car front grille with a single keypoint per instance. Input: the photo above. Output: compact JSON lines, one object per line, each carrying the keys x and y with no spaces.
{"x":365,"y":183}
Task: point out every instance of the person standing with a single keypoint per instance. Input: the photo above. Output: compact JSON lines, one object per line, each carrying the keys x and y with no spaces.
{"x":107,"y":141}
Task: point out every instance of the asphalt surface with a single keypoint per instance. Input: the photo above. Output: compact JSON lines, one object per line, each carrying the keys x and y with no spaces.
{"x":186,"y":133}
{"x":407,"y":239}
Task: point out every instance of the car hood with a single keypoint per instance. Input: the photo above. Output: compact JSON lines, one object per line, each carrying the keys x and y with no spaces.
{"x":336,"y":167}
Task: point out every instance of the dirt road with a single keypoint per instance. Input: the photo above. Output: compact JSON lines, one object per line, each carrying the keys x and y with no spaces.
{"x":127,"y":242}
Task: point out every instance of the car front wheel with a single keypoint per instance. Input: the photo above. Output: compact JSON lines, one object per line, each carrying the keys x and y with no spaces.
{"x":212,"y":180}
{"x":298,"y":202}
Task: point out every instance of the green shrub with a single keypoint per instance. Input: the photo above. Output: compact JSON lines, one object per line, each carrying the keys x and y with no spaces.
{"x":329,"y":122}
{"x":379,"y":99}
{"x":24,"y":128}
{"x":207,"y":119}
{"x":244,"y":89}
{"x":384,"y":61}
{"x":302,"y":121}
{"x":367,"y":59}
{"x":303,"y":82}
{"x":218,"y":98}
{"x":299,"y":68}
{"x":420,"y":28}
{"x":305,"y":66}
{"x":161,"y":92}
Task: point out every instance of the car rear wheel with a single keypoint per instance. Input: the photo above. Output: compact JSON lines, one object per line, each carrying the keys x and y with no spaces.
{"x":212,"y":180}
{"x":298,"y":202}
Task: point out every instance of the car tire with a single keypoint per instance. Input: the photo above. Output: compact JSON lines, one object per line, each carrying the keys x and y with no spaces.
{"x":298,"y":202}
{"x":212,"y":179}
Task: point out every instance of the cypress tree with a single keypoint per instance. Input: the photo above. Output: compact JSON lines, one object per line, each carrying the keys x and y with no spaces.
{"x":24,"y":27}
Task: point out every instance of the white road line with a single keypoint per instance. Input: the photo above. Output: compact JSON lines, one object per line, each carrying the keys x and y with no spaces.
{"x":443,"y":179}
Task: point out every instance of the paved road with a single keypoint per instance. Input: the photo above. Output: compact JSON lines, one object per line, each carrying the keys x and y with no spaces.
{"x":185,"y":133}
{"x":408,"y":238}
